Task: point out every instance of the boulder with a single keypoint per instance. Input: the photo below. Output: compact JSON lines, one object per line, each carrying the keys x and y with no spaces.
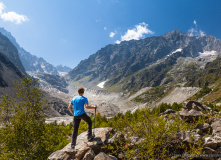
{"x":190,"y":115}
{"x":204,"y":128}
{"x":168,"y":111}
{"x":210,"y":142}
{"x":218,"y":140}
{"x":83,"y":146}
{"x":216,"y":126}
{"x":193,"y":105}
{"x":89,"y":155}
{"x":192,"y":110}
{"x":112,"y":157}
{"x":102,"y":156}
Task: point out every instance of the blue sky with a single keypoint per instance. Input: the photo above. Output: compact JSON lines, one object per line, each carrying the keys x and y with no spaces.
{"x":68,"y":31}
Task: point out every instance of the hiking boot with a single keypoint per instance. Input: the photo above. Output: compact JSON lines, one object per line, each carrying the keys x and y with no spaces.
{"x":72,"y":147}
{"x":89,"y":138}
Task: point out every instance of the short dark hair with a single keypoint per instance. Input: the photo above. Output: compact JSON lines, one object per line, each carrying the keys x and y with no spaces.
{"x":81,"y":90}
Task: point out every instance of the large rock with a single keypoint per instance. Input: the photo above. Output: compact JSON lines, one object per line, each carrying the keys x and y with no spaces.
{"x":204,"y":127}
{"x":216,"y":126}
{"x":210,"y":142}
{"x":89,"y":155}
{"x":192,"y":110}
{"x":190,"y":115}
{"x":83,"y":146}
{"x":102,"y":156}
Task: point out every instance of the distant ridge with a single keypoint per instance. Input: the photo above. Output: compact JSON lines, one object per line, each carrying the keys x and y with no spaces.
{"x":30,"y":62}
{"x":132,"y":65}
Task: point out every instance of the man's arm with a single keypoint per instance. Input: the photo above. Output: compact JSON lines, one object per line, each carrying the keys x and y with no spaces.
{"x":90,"y":107}
{"x":70,"y":108}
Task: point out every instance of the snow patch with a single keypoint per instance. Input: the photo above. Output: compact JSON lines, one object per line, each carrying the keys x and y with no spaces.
{"x":208,"y":53}
{"x":178,"y":50}
{"x":101,"y":85}
{"x":62,"y":73}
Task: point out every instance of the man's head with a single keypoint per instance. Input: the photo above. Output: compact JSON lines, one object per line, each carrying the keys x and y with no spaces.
{"x":81,"y":91}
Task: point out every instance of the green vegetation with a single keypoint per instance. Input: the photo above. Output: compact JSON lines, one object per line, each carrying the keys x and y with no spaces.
{"x":205,"y":90}
{"x":155,"y":92}
{"x":156,"y":137}
{"x":24,"y":134}
{"x":164,"y":106}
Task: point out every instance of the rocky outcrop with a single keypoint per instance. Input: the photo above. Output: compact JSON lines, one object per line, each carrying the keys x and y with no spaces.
{"x":87,"y":150}
{"x":9,"y":50}
{"x":8,"y":72}
{"x":192,"y":110}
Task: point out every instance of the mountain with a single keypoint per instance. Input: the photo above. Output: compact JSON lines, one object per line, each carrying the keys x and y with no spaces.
{"x":8,"y":72}
{"x":29,"y":61}
{"x":153,"y":61}
{"x":61,"y":68}
{"x":9,"y":50}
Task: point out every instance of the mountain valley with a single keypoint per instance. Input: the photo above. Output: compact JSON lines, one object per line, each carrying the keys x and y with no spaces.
{"x":130,"y":75}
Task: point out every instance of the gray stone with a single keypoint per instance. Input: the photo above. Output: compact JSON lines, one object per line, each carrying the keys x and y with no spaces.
{"x":191,"y":104}
{"x":102,"y":156}
{"x":190,"y":115}
{"x":199,"y":131}
{"x":83,"y":145}
{"x":209,"y":150}
{"x":89,"y":155}
{"x":112,"y":157}
{"x":168,"y":111}
{"x":216,"y":126}
{"x":210,"y":142}
{"x":204,"y":128}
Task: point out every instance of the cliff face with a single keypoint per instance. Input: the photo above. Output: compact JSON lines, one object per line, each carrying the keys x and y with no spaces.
{"x":9,"y":50}
{"x":8,"y":72}
{"x":132,"y":65}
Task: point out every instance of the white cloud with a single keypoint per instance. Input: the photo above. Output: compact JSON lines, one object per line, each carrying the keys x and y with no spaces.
{"x":118,"y":42}
{"x":194,"y":22}
{"x":2,"y":7}
{"x":105,"y":28}
{"x":14,"y":17}
{"x":11,"y":16}
{"x":195,"y":31}
{"x":112,"y":34}
{"x":136,"y":33}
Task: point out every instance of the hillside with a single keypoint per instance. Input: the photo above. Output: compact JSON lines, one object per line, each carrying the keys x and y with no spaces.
{"x":9,"y":50}
{"x":8,"y":72}
{"x":150,"y":62}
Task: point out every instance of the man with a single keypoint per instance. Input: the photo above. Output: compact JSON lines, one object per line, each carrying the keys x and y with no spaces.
{"x":79,"y":102}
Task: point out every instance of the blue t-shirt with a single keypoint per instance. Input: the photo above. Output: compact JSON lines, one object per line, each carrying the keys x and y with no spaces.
{"x":78,"y":103}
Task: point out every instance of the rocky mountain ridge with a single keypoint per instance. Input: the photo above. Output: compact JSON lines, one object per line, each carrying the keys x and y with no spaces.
{"x":132,"y":65}
{"x":8,"y":72}
{"x":9,"y":50}
{"x":31,"y":62}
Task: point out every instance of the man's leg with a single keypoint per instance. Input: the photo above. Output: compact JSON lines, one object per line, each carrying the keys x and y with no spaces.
{"x":76,"y":123}
{"x":87,"y":119}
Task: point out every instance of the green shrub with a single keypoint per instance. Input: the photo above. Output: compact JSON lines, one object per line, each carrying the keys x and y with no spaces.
{"x":205,"y":90}
{"x":24,"y":134}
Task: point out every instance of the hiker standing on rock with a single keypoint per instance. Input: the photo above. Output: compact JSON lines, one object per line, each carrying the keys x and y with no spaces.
{"x":79,"y":102}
